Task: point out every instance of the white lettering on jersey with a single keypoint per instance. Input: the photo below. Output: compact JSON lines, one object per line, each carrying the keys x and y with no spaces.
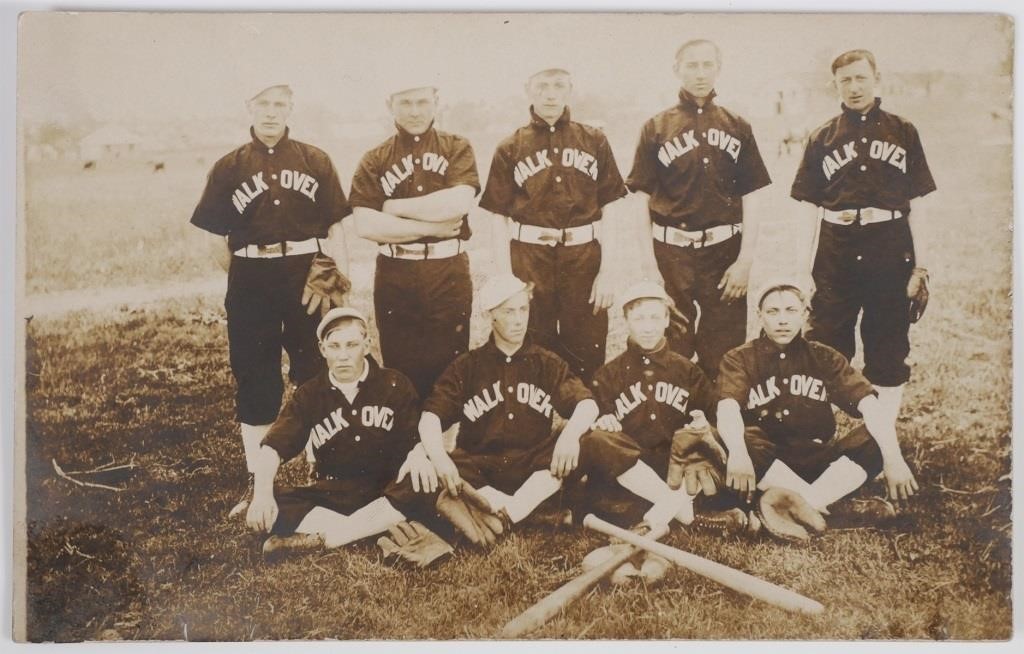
{"x":476,"y":406}
{"x":836,"y":160}
{"x":535,"y":397}
{"x":724,"y":141}
{"x":890,"y":153}
{"x":797,"y":385}
{"x":530,"y":166}
{"x":243,"y":195}
{"x":673,"y":149}
{"x":672,"y":395}
{"x":431,"y":162}
{"x":325,"y":430}
{"x":581,"y":160}
{"x":380,"y":417}
{"x":628,"y":400}
{"x":301,"y":182}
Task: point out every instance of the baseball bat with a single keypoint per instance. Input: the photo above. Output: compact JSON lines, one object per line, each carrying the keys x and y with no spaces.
{"x":723,"y":574}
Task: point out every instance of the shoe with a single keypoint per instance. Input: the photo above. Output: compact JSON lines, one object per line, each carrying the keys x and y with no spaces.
{"x":277,"y":546}
{"x":731,"y":521}
{"x":863,"y":512}
{"x":654,"y":568}
{"x":243,"y":504}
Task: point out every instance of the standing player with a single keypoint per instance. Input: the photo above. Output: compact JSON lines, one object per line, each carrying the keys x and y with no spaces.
{"x":776,"y":417}
{"x":695,"y":165}
{"x":861,"y":170}
{"x":274,"y":207}
{"x":645,"y":395}
{"x":361,"y":421}
{"x":411,"y":195}
{"x":550,"y":182}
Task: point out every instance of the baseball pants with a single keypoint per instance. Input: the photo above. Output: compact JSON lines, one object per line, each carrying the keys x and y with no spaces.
{"x":344,"y":496}
{"x":561,"y":316}
{"x":865,"y":268}
{"x":691,"y":279}
{"x":265,"y":313}
{"x":423,"y":309}
{"x":810,"y":457}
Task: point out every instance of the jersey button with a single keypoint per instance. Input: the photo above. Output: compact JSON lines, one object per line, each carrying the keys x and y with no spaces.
{"x":558,"y":178}
{"x":419,"y":188}
{"x":646,"y":360}
{"x":353,"y":411}
{"x":654,"y":416}
{"x":277,"y":202}
{"x":273,"y":176}
{"x":705,"y":160}
{"x":552,"y":128}
{"x":511,"y":416}
{"x":508,"y":359}
{"x":699,"y":110}
{"x":863,"y":168}
{"x":863,"y":139}
{"x":270,"y":150}
{"x":417,"y":161}
{"x":782,"y":355}
{"x":510,"y":389}
{"x":859,"y":257}
{"x":863,"y":118}
{"x":357,"y":439}
{"x":556,"y":150}
{"x":416,"y":138}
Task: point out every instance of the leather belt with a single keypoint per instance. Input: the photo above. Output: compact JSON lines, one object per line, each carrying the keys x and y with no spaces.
{"x":413,"y":251}
{"x":552,"y":236}
{"x":865,"y":216}
{"x":280,"y":249}
{"x":700,"y":238}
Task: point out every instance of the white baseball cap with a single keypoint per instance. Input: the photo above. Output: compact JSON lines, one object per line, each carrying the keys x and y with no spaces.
{"x":335,"y":315}
{"x":779,"y":283}
{"x":642,"y":290}
{"x":259,"y":87}
{"x":500,"y":288}
{"x":415,"y":79}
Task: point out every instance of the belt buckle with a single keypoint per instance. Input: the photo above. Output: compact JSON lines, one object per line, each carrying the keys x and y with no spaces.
{"x":271,"y":248}
{"x":682,"y":240}
{"x":548,"y":239}
{"x":849,"y":216}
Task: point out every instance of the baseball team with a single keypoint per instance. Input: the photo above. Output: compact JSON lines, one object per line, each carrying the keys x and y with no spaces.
{"x":689,"y":424}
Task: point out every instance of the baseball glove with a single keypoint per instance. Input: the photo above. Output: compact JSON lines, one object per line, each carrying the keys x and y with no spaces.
{"x":414,"y":544}
{"x":697,"y":458}
{"x":472,"y":515}
{"x":325,"y":285}
{"x":787,"y":516}
{"x":917,"y":291}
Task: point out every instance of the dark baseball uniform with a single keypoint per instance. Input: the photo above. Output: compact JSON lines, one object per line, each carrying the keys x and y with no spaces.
{"x":259,"y":195}
{"x":422,"y":306}
{"x":358,"y":446}
{"x":697,"y":163}
{"x":557,"y":176}
{"x":852,"y":162}
{"x":504,"y":406}
{"x":786,"y":396}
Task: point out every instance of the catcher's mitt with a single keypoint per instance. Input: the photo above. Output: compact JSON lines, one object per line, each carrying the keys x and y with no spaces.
{"x":787,"y":516}
{"x":472,"y":515}
{"x":414,"y":544}
{"x":325,"y":285}
{"x":917,"y":291}
{"x":697,"y":458}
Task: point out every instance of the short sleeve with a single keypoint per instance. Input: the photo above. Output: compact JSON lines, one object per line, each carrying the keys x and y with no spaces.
{"x":610,"y":185}
{"x":751,"y":173}
{"x":445,"y":400}
{"x":921,"y":181}
{"x":366,"y":189}
{"x":810,"y":180}
{"x":845,"y":385}
{"x":702,"y":394}
{"x":644,"y":175}
{"x":499,"y":192}
{"x":733,"y":380}
{"x":569,"y":389}
{"x":602,"y":389}
{"x":289,"y":433}
{"x":462,"y":166}
{"x":333,"y":204}
{"x":215,"y":212}
{"x":407,"y":417}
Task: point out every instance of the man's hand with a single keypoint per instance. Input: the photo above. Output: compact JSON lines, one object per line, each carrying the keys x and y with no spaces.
{"x":899,"y":481}
{"x":421,"y":471}
{"x":608,"y":422}
{"x":565,"y":457}
{"x":472,"y":516}
{"x":739,"y":475}
{"x":917,"y":293}
{"x":444,"y":228}
{"x":262,"y":513}
{"x":448,"y":473}
{"x":734,"y":281}
{"x":601,"y":295}
{"x":325,"y":286}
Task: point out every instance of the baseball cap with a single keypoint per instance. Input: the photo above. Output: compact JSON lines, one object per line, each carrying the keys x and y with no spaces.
{"x":336,"y":314}
{"x":500,"y":288}
{"x":415,"y":79}
{"x":781,"y":283}
{"x":259,"y":88}
{"x":643,"y":290}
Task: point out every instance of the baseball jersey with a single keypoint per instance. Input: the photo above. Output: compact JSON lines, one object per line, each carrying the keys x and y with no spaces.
{"x":557,"y":175}
{"x":863,"y":160}
{"x":652,"y":393}
{"x":257,"y":195}
{"x":504,"y":402}
{"x":789,"y":391}
{"x":697,"y":163}
{"x":408,"y":166}
{"x":366,"y":438}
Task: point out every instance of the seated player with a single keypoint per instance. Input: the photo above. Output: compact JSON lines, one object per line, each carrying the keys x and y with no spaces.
{"x":504,"y":395}
{"x":775,"y":416}
{"x":645,"y":395}
{"x":361,"y":422}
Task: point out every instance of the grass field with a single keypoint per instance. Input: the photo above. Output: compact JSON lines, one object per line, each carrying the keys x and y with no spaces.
{"x":151,"y":385}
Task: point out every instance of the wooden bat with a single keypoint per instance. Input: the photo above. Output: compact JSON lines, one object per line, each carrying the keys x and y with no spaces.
{"x":723,"y":574}
{"x":549,"y":606}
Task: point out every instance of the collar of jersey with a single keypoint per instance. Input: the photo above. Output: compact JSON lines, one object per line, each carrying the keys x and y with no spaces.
{"x":659,"y":356}
{"x":768,"y":345}
{"x":406,"y":137}
{"x":491,"y":347}
{"x":260,"y":145}
{"x":370,"y":365}
{"x":687,"y":100}
{"x":540,"y":123}
{"x":872,"y":112}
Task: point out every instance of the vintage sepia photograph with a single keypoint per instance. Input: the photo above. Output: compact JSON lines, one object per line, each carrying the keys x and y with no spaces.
{"x":467,"y":326}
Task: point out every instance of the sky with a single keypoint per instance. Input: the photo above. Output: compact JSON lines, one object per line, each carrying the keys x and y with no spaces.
{"x":124,"y":67}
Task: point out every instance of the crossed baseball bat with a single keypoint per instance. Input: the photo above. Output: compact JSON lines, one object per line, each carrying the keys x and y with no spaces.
{"x":549,"y":606}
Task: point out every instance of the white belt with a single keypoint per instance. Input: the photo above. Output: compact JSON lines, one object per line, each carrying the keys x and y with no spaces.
{"x":281,"y":249}
{"x":439,"y":250}
{"x":701,"y":238}
{"x":864,"y":216}
{"x":553,"y":236}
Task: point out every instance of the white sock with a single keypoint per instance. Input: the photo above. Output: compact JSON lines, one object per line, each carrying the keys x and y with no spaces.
{"x":678,"y":504}
{"x":891,"y":398}
{"x":540,"y":486}
{"x":668,"y":504}
{"x":370,"y":520}
{"x":779,"y":475}
{"x":495,"y":497}
{"x":319,"y":520}
{"x":252,"y":437}
{"x":840,"y":479}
